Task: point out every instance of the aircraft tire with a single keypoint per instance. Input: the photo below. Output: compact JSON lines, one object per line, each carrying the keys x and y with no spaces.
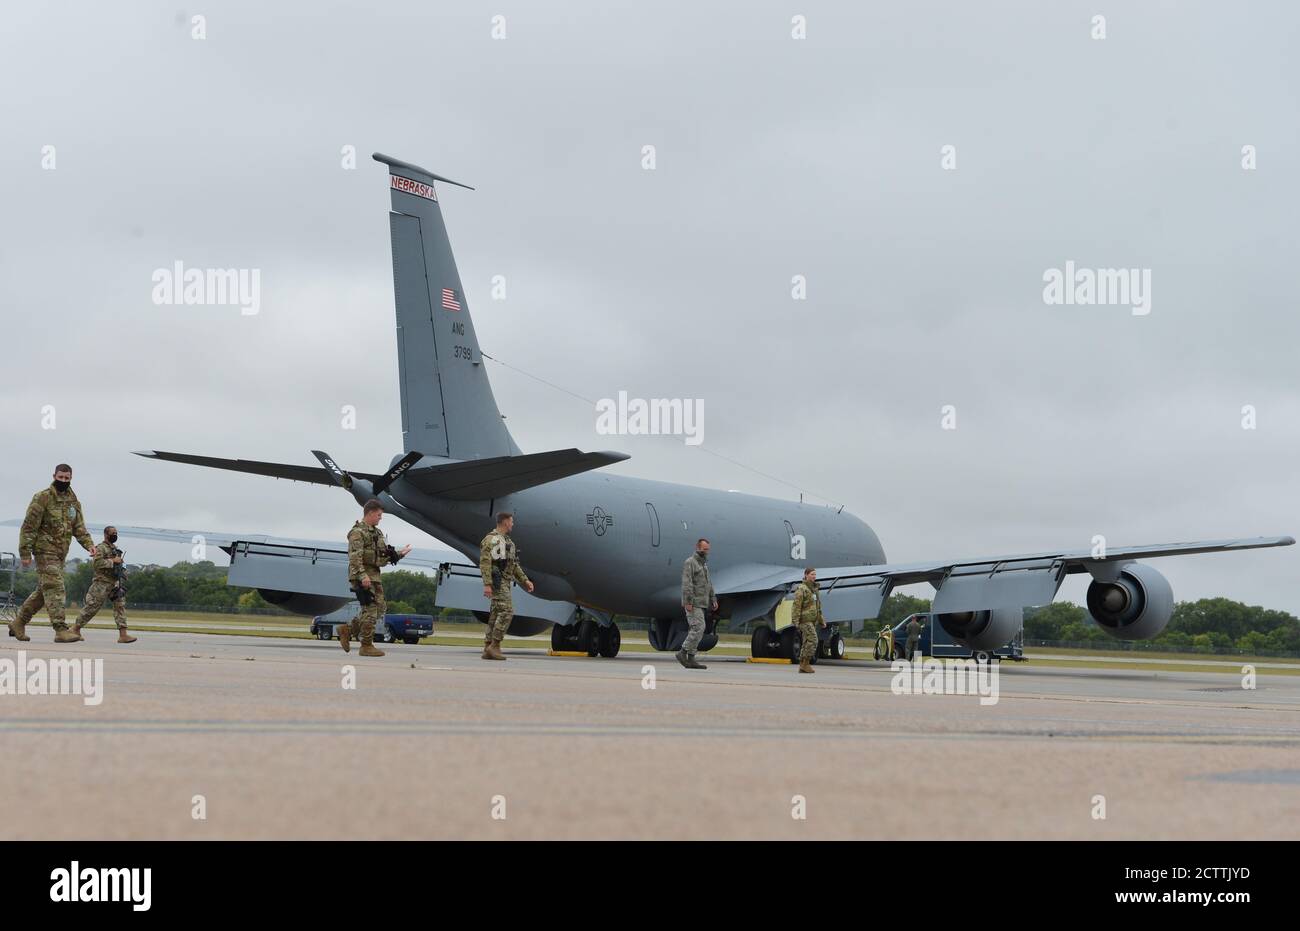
{"x":837,"y":648}
{"x":587,"y":636}
{"x":610,"y":639}
{"x":789,"y":645}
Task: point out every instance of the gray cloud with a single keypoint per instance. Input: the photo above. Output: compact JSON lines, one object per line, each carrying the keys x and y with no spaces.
{"x":776,"y":158}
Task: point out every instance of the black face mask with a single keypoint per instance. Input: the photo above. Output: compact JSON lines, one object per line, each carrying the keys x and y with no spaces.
{"x":703,"y":555}
{"x":111,"y":538}
{"x":62,"y":486}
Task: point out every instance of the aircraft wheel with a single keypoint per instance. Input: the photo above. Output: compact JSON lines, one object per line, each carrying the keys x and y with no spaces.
{"x":610,"y":640}
{"x":758,"y":642}
{"x":837,"y":646}
{"x":790,"y":643}
{"x":587,"y":636}
{"x":559,"y":637}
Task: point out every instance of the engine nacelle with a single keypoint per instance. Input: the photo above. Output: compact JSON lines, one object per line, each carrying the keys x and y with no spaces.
{"x":520,"y":625}
{"x":303,"y":603}
{"x":1136,"y":606}
{"x":983,"y":630}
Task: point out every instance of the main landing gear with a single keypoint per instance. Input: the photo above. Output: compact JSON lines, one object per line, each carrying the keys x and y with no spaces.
{"x":767,"y":643}
{"x":587,"y":635}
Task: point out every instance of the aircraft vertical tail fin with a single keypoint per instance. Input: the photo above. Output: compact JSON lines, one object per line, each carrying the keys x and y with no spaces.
{"x":447,"y":404}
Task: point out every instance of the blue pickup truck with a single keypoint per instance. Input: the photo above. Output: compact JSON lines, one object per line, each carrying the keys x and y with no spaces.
{"x":408,"y":628}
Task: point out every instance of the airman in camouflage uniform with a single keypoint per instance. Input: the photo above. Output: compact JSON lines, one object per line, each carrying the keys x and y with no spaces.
{"x":104,"y":587}
{"x":697,"y":592}
{"x":914,"y":628}
{"x":367,"y":551}
{"x":53,"y":518}
{"x":498,"y":563}
{"x":806,"y":613}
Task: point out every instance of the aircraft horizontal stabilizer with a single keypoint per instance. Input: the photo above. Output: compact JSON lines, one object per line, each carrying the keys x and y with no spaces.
{"x":297,"y":473}
{"x":481,"y":479}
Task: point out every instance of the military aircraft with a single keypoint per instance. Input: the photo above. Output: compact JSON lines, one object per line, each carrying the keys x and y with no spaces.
{"x":599,"y":544}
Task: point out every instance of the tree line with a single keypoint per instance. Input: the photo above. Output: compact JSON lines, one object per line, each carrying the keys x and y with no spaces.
{"x":1211,"y":625}
{"x":203,"y":585}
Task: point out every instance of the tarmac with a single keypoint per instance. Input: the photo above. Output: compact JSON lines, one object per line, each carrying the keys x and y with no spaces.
{"x":260,"y":737}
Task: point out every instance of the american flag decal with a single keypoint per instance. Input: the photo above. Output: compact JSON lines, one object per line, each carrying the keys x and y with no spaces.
{"x":449,"y":299}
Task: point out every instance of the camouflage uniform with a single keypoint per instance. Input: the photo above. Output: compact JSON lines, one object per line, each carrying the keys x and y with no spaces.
{"x":367,"y":550}
{"x":913,"y":636}
{"x":498,"y":562}
{"x":697,"y":591}
{"x":806,"y":613}
{"x":104,"y":581}
{"x":53,"y":519}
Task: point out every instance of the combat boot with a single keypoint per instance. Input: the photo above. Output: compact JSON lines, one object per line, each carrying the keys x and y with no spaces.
{"x":66,"y":636}
{"x":692,"y":664}
{"x":494,"y":650}
{"x":681,"y":658}
{"x":124,"y":636}
{"x":805,"y":666}
{"x":344,"y":633}
{"x":76,"y":629}
{"x":18,"y":630}
{"x":368,"y":647}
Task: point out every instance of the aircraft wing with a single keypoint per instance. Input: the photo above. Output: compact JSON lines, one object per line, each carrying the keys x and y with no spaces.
{"x":852,"y":593}
{"x":425,"y":557}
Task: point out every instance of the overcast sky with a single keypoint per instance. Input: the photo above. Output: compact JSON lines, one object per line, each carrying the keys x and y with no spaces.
{"x":775,"y":157}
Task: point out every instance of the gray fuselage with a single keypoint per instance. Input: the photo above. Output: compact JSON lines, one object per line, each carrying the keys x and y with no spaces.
{"x":616,"y":543}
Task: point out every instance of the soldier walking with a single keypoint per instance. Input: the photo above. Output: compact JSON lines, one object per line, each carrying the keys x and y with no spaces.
{"x":914,"y":628}
{"x":806,"y":613}
{"x":53,"y":518}
{"x":498,"y":563}
{"x":697,"y":592}
{"x":106,"y":585}
{"x":367,"y":551}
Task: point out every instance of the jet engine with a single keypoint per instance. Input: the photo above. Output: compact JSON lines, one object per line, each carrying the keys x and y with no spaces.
{"x":983,"y":630}
{"x":302,"y":602}
{"x":520,"y":625}
{"x":1135,"y":606}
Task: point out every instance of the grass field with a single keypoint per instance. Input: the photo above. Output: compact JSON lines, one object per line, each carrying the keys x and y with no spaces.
{"x":461,"y":633}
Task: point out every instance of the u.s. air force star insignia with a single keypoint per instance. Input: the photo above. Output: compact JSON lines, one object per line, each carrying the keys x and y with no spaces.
{"x":600,"y":521}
